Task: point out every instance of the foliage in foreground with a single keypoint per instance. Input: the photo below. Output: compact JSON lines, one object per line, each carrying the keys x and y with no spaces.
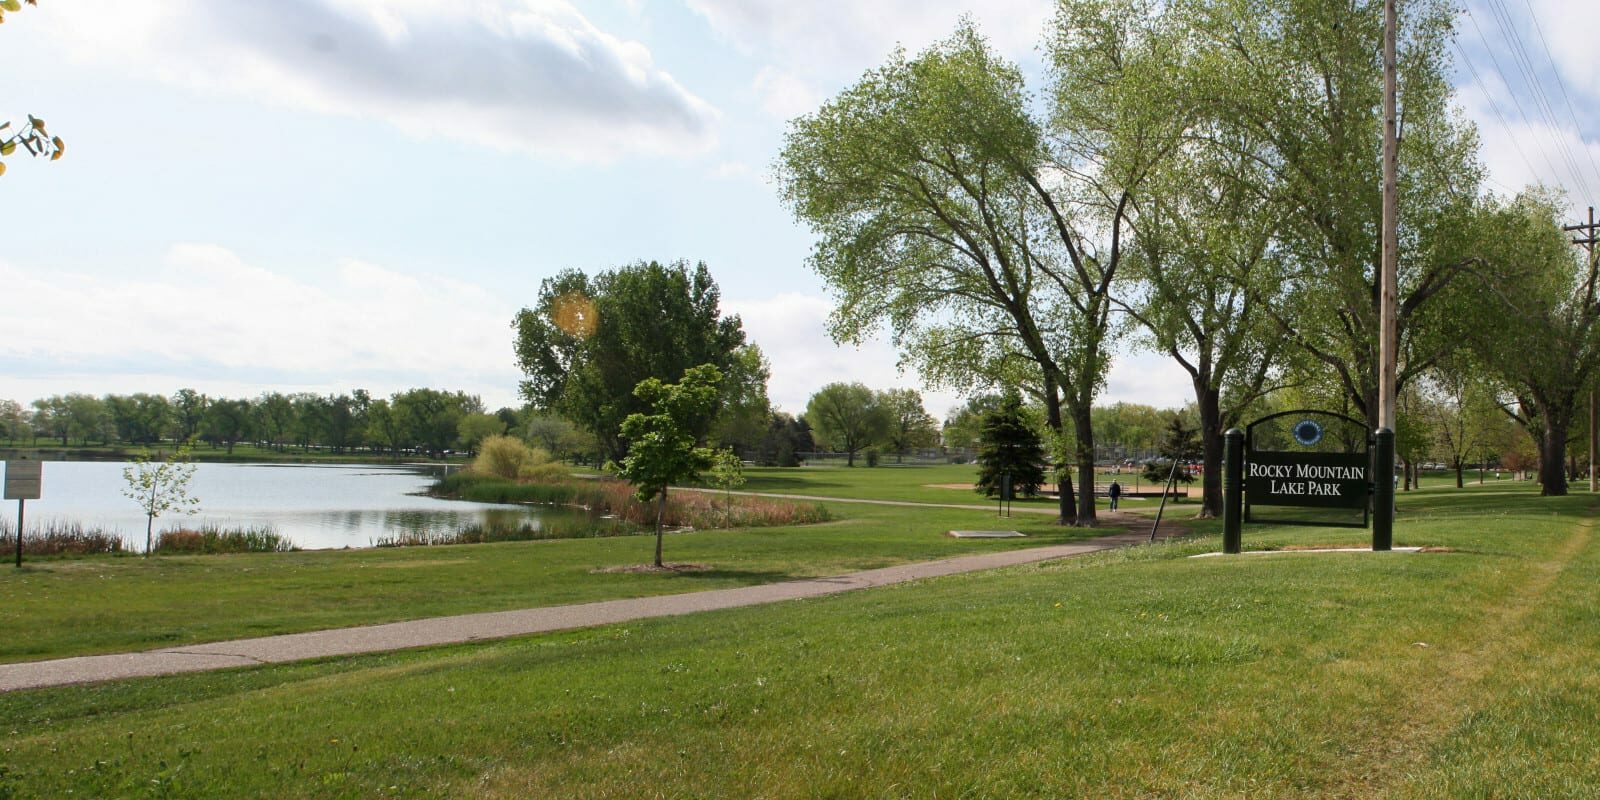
{"x":59,"y":538}
{"x":212,"y":539}
{"x":684,"y":509}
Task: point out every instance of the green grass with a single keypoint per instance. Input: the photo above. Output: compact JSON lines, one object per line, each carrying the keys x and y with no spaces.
{"x":97,"y":605}
{"x":1128,"y":674}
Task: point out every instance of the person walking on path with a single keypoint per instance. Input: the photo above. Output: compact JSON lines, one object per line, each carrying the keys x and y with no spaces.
{"x":1115,"y":493}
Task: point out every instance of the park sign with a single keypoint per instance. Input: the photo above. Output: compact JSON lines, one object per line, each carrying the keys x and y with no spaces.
{"x":24,"y":479}
{"x":1307,"y":467}
{"x":1318,"y":480}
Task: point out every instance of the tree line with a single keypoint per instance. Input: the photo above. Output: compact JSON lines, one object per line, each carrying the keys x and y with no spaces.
{"x":427,"y":421}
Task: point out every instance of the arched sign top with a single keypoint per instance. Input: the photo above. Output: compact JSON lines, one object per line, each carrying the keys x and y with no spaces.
{"x":1307,"y":430}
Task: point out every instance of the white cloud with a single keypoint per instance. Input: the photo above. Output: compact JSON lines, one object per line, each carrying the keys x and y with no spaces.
{"x":783,"y":95}
{"x":207,"y":318}
{"x":522,"y":75}
{"x":827,"y":35}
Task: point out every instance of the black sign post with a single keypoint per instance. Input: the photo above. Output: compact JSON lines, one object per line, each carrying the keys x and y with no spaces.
{"x":1314,"y":461}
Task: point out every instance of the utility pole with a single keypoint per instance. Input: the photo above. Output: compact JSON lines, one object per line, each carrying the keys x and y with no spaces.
{"x":1586,"y":241}
{"x":1388,"y":328}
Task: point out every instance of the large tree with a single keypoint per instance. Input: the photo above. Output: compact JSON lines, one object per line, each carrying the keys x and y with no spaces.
{"x":1293,"y":88}
{"x":987,"y":237}
{"x":910,"y":424}
{"x":848,"y":417}
{"x":589,"y":341}
{"x":1547,"y":348}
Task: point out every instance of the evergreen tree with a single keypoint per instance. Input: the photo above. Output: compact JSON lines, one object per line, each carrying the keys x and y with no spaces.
{"x":1181,"y":442}
{"x":1007,"y":443}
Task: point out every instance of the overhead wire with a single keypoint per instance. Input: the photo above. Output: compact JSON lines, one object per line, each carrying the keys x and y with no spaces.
{"x":1563,"y":160}
{"x":1566,"y":96}
{"x":1541,"y":100}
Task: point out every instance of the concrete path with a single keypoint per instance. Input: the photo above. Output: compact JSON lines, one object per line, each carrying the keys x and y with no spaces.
{"x":501,"y":624}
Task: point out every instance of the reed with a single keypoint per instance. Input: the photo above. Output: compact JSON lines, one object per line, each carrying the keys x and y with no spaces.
{"x":58,"y":537}
{"x":684,"y":509}
{"x":211,"y":539}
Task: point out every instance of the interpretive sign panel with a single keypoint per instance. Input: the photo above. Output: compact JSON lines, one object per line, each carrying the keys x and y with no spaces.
{"x":1320,"y":480}
{"x":24,"y":479}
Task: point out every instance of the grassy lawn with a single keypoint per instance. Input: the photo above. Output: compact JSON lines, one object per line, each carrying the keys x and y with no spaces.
{"x":1134,"y":673}
{"x":54,"y":608}
{"x":943,"y":483}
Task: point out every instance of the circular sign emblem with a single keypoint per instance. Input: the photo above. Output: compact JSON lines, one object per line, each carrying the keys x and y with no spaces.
{"x":1307,"y":433}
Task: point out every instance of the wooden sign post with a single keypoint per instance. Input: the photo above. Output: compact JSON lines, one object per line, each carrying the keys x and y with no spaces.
{"x":24,"y":480}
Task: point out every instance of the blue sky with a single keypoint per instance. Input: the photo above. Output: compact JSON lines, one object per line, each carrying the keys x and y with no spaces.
{"x":323,"y":195}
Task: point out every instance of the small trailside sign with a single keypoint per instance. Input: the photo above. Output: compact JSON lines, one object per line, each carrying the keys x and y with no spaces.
{"x":24,"y":479}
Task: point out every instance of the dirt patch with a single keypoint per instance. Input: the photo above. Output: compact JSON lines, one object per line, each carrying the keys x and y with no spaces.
{"x":643,"y":568}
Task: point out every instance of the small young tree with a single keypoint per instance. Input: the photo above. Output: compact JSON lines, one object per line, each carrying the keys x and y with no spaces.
{"x":662,"y":448}
{"x":1179,"y":442}
{"x":1008,"y":444}
{"x":727,"y":474}
{"x":159,"y":487}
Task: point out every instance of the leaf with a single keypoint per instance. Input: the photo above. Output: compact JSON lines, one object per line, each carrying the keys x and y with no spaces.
{"x":11,"y":5}
{"x":8,"y":148}
{"x":2,"y":167}
{"x":61,"y":148}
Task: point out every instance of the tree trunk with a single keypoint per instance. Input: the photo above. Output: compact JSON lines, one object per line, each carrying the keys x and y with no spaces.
{"x":1052,"y":419}
{"x":149,"y":529}
{"x":1459,"y":468}
{"x":661,"y":507}
{"x":1552,"y":459}
{"x":1084,"y":429}
{"x":1210,"y":407}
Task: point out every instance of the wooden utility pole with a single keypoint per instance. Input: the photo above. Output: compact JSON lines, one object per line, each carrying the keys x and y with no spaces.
{"x":1388,"y":344}
{"x":1586,"y":241}
{"x":1388,"y":328}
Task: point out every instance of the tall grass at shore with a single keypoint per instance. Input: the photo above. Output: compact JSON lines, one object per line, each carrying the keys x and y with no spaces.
{"x":690,"y":509}
{"x":211,"y":539}
{"x":56,"y":537}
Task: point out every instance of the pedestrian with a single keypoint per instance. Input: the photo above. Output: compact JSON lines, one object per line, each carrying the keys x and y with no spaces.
{"x":1115,"y":493}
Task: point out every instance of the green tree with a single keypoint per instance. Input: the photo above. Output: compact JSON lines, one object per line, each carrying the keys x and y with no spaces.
{"x":430,"y":419}
{"x":228,"y":421}
{"x":188,"y":412}
{"x":139,"y":418}
{"x":663,"y":447}
{"x":13,"y":420}
{"x":988,"y":239}
{"x":160,"y":487}
{"x":275,"y":417}
{"x":474,"y":428}
{"x":727,"y":474}
{"x":1180,"y":442}
{"x":1548,"y":351}
{"x":1008,"y":444}
{"x":847,"y":416}
{"x":549,"y":431}
{"x":588,"y":342}
{"x":1317,"y":143}
{"x":383,"y":426}
{"x":910,"y":425}
{"x":50,"y":417}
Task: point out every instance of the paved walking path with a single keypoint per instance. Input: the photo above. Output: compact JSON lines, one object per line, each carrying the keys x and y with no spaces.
{"x":501,"y":624}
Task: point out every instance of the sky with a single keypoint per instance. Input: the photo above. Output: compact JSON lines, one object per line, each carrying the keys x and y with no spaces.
{"x":324,"y":195}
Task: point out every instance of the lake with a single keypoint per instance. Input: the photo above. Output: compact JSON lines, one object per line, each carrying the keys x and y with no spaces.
{"x":313,"y":505}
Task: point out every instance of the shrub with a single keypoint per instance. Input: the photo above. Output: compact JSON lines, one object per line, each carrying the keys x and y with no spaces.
{"x":506,"y":457}
{"x":548,"y":472}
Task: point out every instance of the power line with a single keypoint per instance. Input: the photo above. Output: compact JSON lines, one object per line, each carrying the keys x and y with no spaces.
{"x":1562,"y":85}
{"x":1495,"y":62}
{"x":1530,"y":75}
{"x":1495,"y":107}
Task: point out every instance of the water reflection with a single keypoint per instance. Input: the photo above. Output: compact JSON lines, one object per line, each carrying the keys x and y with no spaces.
{"x":314,"y":506}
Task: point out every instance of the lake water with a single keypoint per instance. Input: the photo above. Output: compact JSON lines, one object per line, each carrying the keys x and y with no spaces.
{"x":313,"y":505}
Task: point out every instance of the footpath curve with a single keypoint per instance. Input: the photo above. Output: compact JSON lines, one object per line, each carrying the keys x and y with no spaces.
{"x":502,"y":624}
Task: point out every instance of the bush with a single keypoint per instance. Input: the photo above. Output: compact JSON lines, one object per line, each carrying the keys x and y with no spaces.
{"x":506,"y":457}
{"x":548,"y":472}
